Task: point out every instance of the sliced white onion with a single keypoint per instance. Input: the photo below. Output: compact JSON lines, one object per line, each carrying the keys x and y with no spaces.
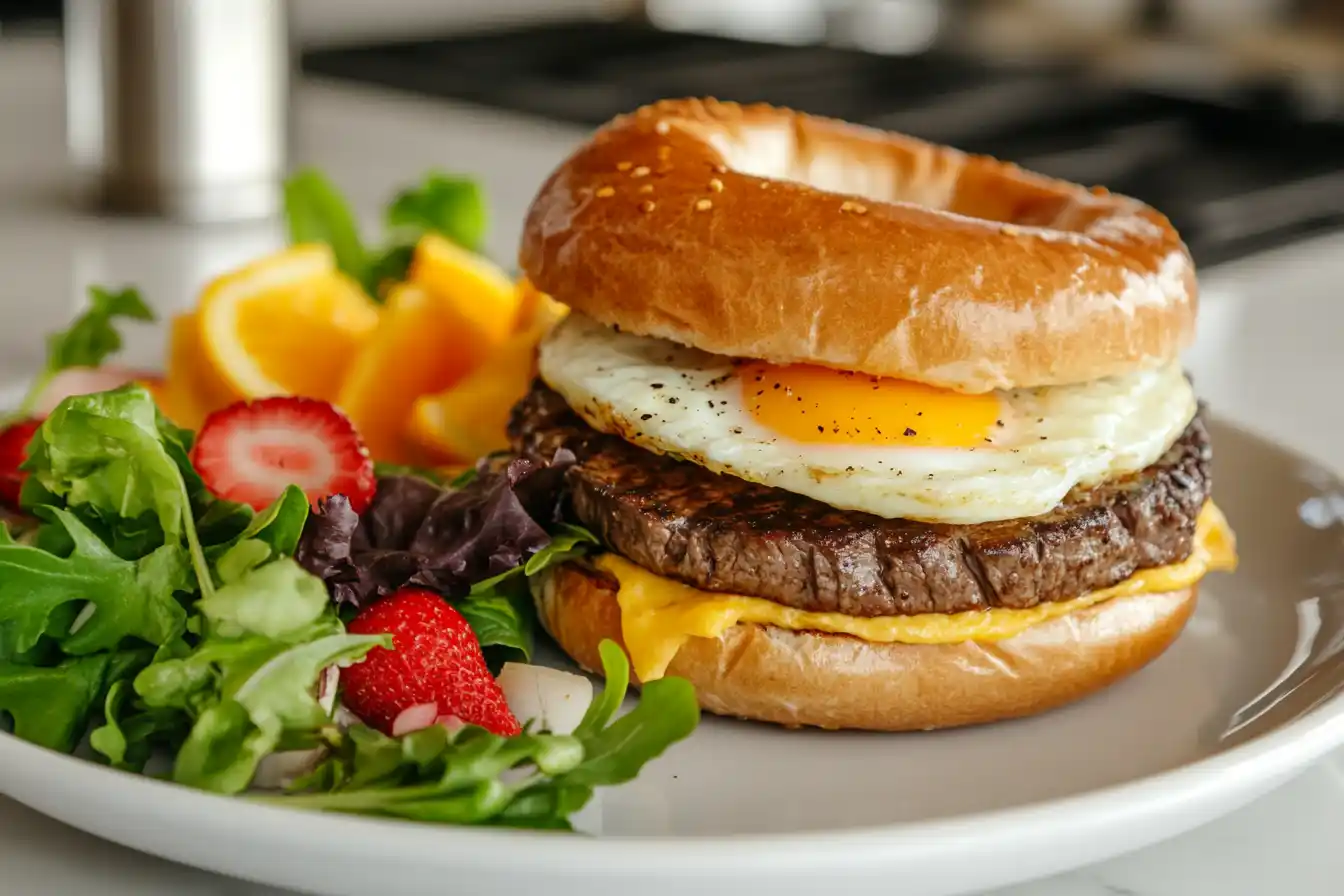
{"x":413,"y":718}
{"x":556,"y":700}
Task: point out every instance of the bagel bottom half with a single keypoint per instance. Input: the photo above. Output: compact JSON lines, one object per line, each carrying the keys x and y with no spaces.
{"x":804,"y":678}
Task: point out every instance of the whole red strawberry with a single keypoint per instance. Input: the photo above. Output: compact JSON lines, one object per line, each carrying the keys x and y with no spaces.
{"x":14,"y":441}
{"x":436,"y":659}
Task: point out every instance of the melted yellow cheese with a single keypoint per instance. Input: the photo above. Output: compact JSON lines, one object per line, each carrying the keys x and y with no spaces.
{"x":659,"y":615}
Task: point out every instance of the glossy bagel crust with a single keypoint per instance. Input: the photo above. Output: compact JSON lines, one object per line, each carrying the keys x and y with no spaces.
{"x":759,"y":232}
{"x":814,"y":679}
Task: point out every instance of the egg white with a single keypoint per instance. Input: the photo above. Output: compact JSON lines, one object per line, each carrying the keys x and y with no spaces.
{"x":672,"y":399}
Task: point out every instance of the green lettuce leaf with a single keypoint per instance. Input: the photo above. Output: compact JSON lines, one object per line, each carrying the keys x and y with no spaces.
{"x":499,"y":623}
{"x":104,"y":452}
{"x":452,"y":206}
{"x":128,"y":599}
{"x":499,"y":609}
{"x":317,"y":213}
{"x":273,"y":601}
{"x":51,"y":705}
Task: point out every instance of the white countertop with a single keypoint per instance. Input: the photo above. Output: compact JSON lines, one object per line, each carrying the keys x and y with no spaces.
{"x":1268,"y":356}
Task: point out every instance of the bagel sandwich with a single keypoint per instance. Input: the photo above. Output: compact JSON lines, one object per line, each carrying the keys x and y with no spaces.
{"x":874,"y":433}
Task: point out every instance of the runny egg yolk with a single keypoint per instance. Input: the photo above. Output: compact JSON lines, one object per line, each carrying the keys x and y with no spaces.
{"x":813,"y":404}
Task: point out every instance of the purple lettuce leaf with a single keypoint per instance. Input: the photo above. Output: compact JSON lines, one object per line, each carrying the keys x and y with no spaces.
{"x":417,"y":533}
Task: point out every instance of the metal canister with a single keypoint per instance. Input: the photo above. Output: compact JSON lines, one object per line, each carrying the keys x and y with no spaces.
{"x":179,"y":108}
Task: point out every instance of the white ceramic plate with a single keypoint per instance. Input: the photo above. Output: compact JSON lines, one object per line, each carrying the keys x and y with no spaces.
{"x":1249,"y":695}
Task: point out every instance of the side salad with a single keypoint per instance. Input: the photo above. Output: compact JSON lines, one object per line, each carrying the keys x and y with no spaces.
{"x":255,"y":605}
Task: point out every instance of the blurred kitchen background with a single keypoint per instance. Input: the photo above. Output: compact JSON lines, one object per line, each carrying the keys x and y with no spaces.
{"x":1226,"y":114}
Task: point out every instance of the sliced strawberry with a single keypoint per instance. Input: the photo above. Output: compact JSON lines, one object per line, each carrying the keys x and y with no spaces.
{"x":14,"y":441}
{"x":250,"y":451}
{"x":435,"y":659}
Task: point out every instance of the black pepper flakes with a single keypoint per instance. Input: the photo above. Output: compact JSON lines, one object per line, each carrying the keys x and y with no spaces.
{"x":672,"y":400}
{"x":821,"y":429}
{"x":646,"y":416}
{"x":910,"y":432}
{"x":998,"y":423}
{"x":656,"y":385}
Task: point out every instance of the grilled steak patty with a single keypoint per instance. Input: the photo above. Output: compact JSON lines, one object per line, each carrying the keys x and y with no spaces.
{"x":720,"y":533}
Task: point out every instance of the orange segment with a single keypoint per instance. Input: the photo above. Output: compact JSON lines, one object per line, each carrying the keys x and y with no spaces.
{"x":193,"y":387}
{"x":483,"y":294}
{"x":469,"y":420}
{"x":287,"y":324}
{"x":423,"y":345}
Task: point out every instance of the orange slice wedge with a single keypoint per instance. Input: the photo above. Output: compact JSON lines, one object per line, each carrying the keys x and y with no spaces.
{"x":290,"y":323}
{"x":469,"y":420}
{"x":482,"y":293}
{"x":454,"y":312}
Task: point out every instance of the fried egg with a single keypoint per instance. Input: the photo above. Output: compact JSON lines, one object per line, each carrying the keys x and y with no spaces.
{"x":889,"y":447}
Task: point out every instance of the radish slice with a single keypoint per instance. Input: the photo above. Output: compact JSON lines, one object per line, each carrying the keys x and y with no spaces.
{"x":413,"y":718}
{"x":82,"y":381}
{"x":556,"y":700}
{"x":451,"y":722}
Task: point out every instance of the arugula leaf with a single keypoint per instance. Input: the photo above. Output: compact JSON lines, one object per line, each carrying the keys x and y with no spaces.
{"x":472,"y":776}
{"x":50,"y":705}
{"x":90,"y":340}
{"x":276,"y":529}
{"x":317,"y":213}
{"x":281,"y":524}
{"x":129,"y":599}
{"x":127,"y":738}
{"x":231,"y":737}
{"x":667,"y":712}
{"x":616,"y":674}
{"x":568,"y":542}
{"x":217,"y":521}
{"x":452,"y":206}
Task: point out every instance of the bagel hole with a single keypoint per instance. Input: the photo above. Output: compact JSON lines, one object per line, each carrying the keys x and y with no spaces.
{"x":904,"y":171}
{"x":870,"y":171}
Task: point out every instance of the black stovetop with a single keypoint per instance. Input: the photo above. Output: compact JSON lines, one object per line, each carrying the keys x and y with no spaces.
{"x":1235,"y":175}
